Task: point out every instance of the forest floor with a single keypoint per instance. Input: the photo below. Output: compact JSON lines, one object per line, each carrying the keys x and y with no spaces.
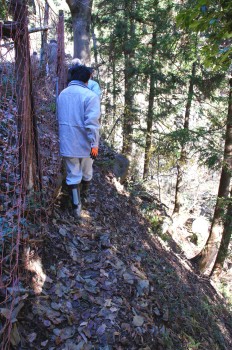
{"x":107,"y":282}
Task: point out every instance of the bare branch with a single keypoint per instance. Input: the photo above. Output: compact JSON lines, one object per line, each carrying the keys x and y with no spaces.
{"x":39,"y":29}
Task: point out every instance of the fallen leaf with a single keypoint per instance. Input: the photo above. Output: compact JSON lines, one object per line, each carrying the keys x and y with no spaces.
{"x":138,"y":321}
{"x":44,"y":343}
{"x":128,"y":278}
{"x":31,"y":337}
{"x":166,"y":316}
{"x":108,"y":303}
{"x":14,"y":336}
{"x":101,"y":329}
{"x":6,"y":313}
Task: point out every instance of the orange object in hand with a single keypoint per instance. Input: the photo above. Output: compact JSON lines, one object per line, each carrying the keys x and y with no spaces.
{"x":94,"y":152}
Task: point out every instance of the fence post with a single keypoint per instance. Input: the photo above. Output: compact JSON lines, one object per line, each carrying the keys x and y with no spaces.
{"x":61,"y":70}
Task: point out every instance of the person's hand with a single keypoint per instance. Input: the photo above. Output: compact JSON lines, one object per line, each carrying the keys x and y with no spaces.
{"x":94,"y":152}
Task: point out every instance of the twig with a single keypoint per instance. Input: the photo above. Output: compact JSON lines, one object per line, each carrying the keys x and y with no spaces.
{"x":114,"y":126}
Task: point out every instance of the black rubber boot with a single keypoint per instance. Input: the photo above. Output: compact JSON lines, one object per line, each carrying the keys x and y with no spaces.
{"x":76,"y":200}
{"x":84,"y":191}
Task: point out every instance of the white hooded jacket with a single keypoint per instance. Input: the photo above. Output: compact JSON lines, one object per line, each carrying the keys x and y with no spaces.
{"x":78,"y":117}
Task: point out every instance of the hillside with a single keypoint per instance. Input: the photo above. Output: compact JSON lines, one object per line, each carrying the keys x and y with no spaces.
{"x":111,"y":284}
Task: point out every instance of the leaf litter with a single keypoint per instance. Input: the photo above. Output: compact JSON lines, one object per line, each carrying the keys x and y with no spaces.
{"x":111,"y":285}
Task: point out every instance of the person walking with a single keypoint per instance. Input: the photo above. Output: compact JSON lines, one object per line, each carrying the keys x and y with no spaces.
{"x":78,"y":118}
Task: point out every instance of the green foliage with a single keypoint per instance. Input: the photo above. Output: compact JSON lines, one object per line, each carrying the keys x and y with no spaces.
{"x":213,"y":19}
{"x":167,"y":341}
{"x":192,"y":344}
{"x":52,"y":107}
{"x":225,"y":289}
{"x":209,"y":82}
{"x":211,"y":155}
{"x":155,"y":221}
{"x":105,"y":164}
{"x":68,"y":25}
{"x":175,"y":51}
{"x":3,"y":10}
{"x":35,"y":200}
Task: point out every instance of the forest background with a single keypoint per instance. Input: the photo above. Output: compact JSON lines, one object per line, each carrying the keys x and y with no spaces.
{"x":165,"y":71}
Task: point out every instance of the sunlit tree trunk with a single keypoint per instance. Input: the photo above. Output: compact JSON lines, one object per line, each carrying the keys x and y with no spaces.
{"x":181,"y":164}
{"x":81,"y":19}
{"x":226,"y":236}
{"x":148,"y":146}
{"x":217,"y":244}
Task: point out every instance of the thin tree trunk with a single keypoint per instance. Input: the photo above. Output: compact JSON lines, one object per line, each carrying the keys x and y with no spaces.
{"x":148,"y":147}
{"x":217,"y":244}
{"x":158,"y":177}
{"x":114,"y":100}
{"x":94,"y":39}
{"x":129,"y":76}
{"x":181,"y":164}
{"x":81,"y":19}
{"x":128,"y":113}
{"x":61,"y":71}
{"x":44,"y":41}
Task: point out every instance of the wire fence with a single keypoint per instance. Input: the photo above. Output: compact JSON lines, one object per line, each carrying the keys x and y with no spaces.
{"x":32,"y":72}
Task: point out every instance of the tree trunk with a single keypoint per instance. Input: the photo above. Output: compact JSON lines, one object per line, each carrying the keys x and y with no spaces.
{"x":129,"y":78}
{"x":181,"y":164}
{"x":81,"y":19}
{"x":217,"y":244}
{"x":27,"y":131}
{"x":61,"y":71}
{"x":44,"y":41}
{"x":226,"y":236}
{"x":114,"y":99}
{"x":128,"y":112}
{"x":94,"y":39}
{"x":148,"y":147}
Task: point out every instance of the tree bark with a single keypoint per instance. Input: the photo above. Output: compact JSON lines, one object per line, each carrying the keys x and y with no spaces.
{"x":61,"y":71}
{"x":181,"y":164}
{"x":148,"y":146}
{"x":81,"y":19}
{"x":26,"y":122}
{"x":44,"y":42}
{"x":216,"y":246}
{"x":114,"y":117}
{"x":129,"y":78}
{"x":226,"y":236}
{"x":94,"y":39}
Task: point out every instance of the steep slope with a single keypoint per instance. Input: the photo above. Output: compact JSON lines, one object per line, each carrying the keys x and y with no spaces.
{"x":112,"y":285}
